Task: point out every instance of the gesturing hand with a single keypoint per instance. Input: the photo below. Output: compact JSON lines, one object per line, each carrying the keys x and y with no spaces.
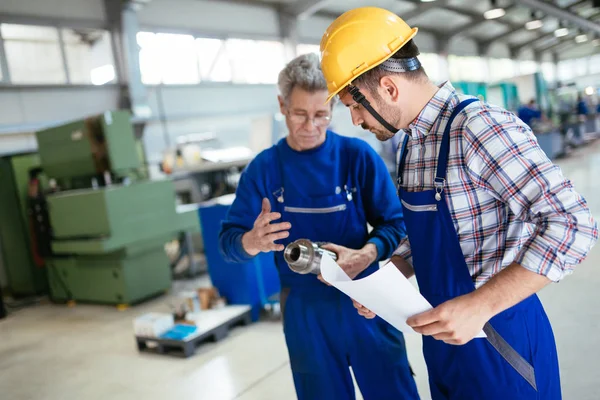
{"x":263,"y":235}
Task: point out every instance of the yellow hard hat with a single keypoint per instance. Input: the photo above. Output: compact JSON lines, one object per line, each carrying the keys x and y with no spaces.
{"x":358,"y":41}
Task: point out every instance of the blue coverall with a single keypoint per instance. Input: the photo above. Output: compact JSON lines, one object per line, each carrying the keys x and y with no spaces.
{"x":329,"y":195}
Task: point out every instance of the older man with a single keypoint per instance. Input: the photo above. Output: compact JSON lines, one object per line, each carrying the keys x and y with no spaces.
{"x":321,"y":186}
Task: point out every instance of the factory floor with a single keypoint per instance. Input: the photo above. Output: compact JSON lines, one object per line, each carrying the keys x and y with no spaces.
{"x":54,"y":352}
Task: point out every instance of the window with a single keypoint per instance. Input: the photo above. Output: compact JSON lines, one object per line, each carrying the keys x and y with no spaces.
{"x":594,"y":64}
{"x":566,"y":70}
{"x":168,"y":58}
{"x":308,"y":48}
{"x":255,"y":61}
{"x":467,"y":69}
{"x":528,"y":67}
{"x":431,"y":64}
{"x":33,"y":54}
{"x":89,"y":56}
{"x":549,"y":71}
{"x":501,"y":68}
{"x":213,"y":61}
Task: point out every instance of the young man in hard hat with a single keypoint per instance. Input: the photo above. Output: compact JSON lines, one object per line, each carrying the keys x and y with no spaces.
{"x":490,"y":220}
{"x":315,"y":184}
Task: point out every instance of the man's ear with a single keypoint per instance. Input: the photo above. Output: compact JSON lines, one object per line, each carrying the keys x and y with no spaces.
{"x":281,"y":104}
{"x":389,"y":88}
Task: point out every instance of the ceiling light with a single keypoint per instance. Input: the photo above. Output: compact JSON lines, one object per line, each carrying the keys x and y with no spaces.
{"x":581,"y":38}
{"x":560,"y":32}
{"x":494,"y":12}
{"x":427,"y":1}
{"x":533,"y":25}
{"x":589,"y":90}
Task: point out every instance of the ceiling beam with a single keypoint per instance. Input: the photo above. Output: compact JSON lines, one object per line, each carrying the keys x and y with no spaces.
{"x":306,"y":8}
{"x":561,"y":14}
{"x":422,"y":8}
{"x":531,"y":42}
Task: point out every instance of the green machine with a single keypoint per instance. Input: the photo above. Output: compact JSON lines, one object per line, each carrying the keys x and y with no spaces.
{"x":109,"y":222}
{"x":477,"y":89}
{"x":26,"y":275}
{"x":504,"y":94}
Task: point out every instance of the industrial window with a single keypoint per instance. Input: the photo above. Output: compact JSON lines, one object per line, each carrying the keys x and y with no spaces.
{"x":89,"y":56}
{"x":594,"y":64}
{"x":213,"y":60}
{"x":467,"y":69}
{"x":431,"y":64}
{"x":549,"y":71}
{"x":33,"y":54}
{"x":168,"y":58}
{"x":501,"y":68}
{"x":255,"y":61}
{"x":566,"y":70}
{"x":527,"y":67}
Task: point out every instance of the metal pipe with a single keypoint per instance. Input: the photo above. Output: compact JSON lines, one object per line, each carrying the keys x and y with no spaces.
{"x":557,"y":12}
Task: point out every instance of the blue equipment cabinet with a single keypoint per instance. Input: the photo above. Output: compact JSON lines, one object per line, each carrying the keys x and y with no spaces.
{"x":255,"y":283}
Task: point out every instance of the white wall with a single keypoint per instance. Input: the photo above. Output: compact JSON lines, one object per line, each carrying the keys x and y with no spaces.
{"x":27,"y":109}
{"x":83,"y":9}
{"x":211,"y":17}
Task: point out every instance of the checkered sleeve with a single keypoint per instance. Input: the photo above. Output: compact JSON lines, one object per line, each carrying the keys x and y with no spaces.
{"x":503,"y":157}
{"x":404,"y":250}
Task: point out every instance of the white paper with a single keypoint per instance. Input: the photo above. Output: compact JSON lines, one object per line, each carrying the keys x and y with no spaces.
{"x":386,"y":292}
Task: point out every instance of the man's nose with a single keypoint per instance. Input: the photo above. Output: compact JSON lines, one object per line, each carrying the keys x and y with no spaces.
{"x":356,"y":119}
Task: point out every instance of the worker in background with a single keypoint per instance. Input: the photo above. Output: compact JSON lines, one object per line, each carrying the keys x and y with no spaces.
{"x":315,"y":184}
{"x":582,"y":108}
{"x":529,"y":113}
{"x":490,"y":220}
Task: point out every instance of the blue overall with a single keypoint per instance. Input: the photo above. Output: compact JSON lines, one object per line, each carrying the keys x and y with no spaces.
{"x":518,"y":360}
{"x":324,"y":333}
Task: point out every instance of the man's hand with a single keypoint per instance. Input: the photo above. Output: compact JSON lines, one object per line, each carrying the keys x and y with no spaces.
{"x":456,"y":321}
{"x":353,"y":262}
{"x":364,"y":311}
{"x":264,"y":234}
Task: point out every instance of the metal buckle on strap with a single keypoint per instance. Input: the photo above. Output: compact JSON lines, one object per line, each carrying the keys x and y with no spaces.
{"x":439,"y":187}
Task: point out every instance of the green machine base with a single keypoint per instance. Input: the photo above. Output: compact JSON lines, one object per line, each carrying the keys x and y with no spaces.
{"x":124,"y":277}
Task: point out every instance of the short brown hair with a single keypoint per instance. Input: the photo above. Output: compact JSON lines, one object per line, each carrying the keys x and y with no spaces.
{"x":370,"y":79}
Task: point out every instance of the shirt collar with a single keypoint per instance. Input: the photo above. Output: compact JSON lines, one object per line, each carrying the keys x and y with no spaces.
{"x":433,"y":109}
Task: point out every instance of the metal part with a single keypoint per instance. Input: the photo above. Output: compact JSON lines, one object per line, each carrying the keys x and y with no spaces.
{"x":304,"y":256}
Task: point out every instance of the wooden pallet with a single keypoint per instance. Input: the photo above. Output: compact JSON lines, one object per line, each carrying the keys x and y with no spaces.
{"x":213,"y":326}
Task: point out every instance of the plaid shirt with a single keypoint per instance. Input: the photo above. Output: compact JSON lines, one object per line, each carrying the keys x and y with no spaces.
{"x":508,"y":202}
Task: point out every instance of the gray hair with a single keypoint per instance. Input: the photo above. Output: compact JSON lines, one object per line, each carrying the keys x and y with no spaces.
{"x":303,"y":71}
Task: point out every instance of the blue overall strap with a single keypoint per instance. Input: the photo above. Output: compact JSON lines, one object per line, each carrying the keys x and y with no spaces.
{"x":442,"y":165}
{"x":402,"y":159}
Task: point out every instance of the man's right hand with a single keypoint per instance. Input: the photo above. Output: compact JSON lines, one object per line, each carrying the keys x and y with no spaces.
{"x":264,"y":234}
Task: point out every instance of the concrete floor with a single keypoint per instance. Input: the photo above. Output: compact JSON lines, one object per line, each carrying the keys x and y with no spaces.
{"x":53,"y":352}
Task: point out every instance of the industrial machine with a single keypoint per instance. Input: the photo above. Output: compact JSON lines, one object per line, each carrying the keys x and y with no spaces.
{"x":102,"y":227}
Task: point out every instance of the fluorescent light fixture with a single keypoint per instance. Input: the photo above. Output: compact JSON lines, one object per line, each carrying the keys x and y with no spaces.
{"x":427,"y":1}
{"x":581,"y":38}
{"x":533,"y":25}
{"x":589,"y":90}
{"x":560,"y":32}
{"x":494,"y":13}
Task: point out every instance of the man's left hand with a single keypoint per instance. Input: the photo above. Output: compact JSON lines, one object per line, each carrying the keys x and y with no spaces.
{"x":353,"y":262}
{"x":456,"y":321}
